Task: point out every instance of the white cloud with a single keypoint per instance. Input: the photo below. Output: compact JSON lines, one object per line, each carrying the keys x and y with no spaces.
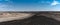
{"x":6,"y":7}
{"x":55,"y":3}
{"x":3,"y":7}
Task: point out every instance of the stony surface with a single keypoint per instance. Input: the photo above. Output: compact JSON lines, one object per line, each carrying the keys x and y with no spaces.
{"x":41,"y":18}
{"x":34,"y":20}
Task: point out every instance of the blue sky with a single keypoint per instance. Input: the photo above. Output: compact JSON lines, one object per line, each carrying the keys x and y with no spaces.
{"x":29,"y":5}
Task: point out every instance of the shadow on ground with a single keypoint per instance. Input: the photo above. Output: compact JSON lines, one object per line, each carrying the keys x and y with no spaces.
{"x":34,"y":20}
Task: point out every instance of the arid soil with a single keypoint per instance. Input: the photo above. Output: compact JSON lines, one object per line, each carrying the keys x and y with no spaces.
{"x":54,"y":15}
{"x":39,"y":18}
{"x":13,"y":16}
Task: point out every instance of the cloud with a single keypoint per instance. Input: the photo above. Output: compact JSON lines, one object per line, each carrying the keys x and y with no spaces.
{"x":6,"y":7}
{"x":2,"y":7}
{"x":55,"y":3}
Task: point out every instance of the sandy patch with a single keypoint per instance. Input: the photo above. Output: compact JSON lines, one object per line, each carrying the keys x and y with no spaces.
{"x":13,"y":16}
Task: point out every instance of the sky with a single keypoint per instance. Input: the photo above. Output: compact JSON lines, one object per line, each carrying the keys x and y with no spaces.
{"x":29,"y":5}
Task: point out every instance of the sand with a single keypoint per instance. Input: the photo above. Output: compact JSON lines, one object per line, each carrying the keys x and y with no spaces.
{"x":13,"y":16}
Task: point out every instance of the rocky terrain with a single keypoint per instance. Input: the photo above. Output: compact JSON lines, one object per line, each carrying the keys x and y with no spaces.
{"x":30,"y":18}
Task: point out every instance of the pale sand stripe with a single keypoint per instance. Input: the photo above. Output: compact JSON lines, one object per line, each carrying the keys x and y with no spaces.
{"x":20,"y":16}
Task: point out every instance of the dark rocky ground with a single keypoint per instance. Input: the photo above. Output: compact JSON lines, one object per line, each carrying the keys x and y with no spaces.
{"x":34,"y":20}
